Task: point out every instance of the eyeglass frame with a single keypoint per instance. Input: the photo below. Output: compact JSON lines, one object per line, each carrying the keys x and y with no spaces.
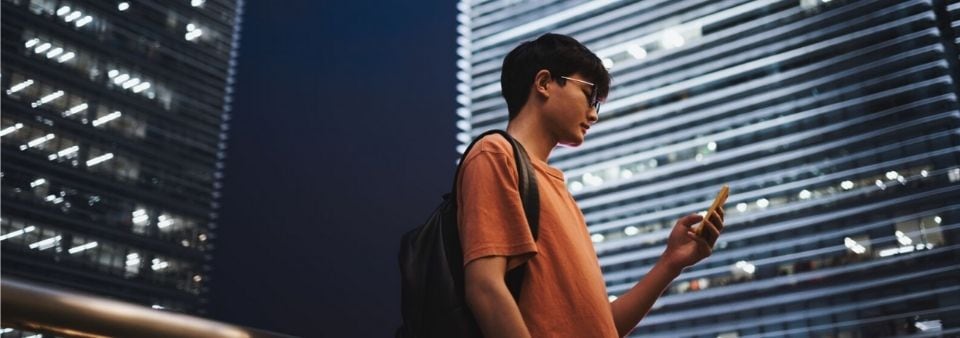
{"x":592,"y":99}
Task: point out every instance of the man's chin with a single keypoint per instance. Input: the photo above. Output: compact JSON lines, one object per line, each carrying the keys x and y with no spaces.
{"x":572,"y":142}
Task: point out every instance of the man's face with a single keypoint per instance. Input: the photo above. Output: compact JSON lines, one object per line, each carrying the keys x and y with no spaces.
{"x":571,"y":109}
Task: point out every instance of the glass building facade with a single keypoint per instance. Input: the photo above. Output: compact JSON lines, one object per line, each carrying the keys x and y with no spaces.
{"x":113,"y":138}
{"x":835,"y":123}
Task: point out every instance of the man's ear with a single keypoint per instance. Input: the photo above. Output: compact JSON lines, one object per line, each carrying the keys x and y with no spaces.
{"x":541,"y":82}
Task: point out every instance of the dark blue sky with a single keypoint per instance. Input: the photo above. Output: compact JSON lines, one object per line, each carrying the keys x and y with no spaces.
{"x":342,"y":138}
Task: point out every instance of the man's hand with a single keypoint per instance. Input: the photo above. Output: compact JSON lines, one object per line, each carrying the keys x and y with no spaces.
{"x":685,"y":248}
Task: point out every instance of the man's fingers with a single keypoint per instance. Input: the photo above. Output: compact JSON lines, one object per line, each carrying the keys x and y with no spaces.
{"x":717,"y":219}
{"x":690,"y":220}
{"x":702,"y":243}
{"x":710,"y":233}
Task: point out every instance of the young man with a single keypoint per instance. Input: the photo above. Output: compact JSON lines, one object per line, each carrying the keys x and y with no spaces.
{"x":553,"y":87}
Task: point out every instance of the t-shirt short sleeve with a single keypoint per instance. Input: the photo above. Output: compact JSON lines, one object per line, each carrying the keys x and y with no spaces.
{"x":491,"y":217}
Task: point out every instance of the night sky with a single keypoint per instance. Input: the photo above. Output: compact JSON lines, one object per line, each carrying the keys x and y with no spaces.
{"x":342,"y":137}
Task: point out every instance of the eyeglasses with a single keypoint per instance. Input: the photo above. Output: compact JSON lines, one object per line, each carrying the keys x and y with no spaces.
{"x":592,"y":99}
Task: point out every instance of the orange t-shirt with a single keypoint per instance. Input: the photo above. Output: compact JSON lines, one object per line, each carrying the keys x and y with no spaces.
{"x":563,"y":293}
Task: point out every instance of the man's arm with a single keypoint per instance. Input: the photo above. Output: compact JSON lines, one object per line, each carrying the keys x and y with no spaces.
{"x":684,"y":248}
{"x":490,"y":300}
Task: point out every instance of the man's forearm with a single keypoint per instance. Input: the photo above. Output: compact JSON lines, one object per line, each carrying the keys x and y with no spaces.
{"x":632,"y":306}
{"x":496,"y":312}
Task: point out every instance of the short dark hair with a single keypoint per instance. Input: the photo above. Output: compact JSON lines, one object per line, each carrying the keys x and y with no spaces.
{"x":559,"y":54}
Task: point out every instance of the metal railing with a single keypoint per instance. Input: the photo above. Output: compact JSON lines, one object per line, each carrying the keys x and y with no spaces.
{"x":34,"y":307}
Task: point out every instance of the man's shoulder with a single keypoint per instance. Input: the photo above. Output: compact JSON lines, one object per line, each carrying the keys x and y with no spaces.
{"x":493,"y":143}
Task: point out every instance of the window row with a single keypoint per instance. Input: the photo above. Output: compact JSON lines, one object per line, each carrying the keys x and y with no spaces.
{"x":104,"y":256}
{"x":108,"y":211}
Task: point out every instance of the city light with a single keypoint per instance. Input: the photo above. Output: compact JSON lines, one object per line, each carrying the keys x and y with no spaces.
{"x":68,"y":151}
{"x":597,"y":238}
{"x":17,"y":233}
{"x":73,"y":16}
{"x":141,"y":87}
{"x":133,"y":259}
{"x":607,"y":63}
{"x":46,"y":99}
{"x":192,"y":32}
{"x":38,"y":182}
{"x":130,"y":83}
{"x":120,"y":78}
{"x":66,"y":57}
{"x":763,"y":202}
{"x":741,"y":207}
{"x":672,"y":39}
{"x":46,"y":243}
{"x":746,"y":267}
{"x":99,"y":159}
{"x":854,"y":246}
{"x":9,"y":130}
{"x":107,"y":118}
{"x":82,"y":22}
{"x":140,"y":217}
{"x":80,"y":248}
{"x":164,"y":221}
{"x":40,"y":140}
{"x":76,"y":109}
{"x":20,"y":86}
{"x":892,"y":175}
{"x":636,"y":51}
{"x":43,"y":47}
{"x":159,"y":264}
{"x":903,"y":239}
{"x":54,"y":52}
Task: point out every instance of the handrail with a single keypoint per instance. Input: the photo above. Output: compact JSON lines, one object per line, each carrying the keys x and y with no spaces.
{"x":29,"y":306}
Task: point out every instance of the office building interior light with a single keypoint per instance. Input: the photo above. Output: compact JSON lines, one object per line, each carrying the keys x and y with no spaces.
{"x":76,"y":109}
{"x":80,"y":248}
{"x":46,"y":99}
{"x":99,"y":159}
{"x":9,"y":130}
{"x":193,"y":32}
{"x":73,"y":16}
{"x":17,"y":233}
{"x":46,"y":243}
{"x":43,"y":47}
{"x":83,"y":22}
{"x":107,"y":118}
{"x":20,"y":86}
{"x":597,"y":238}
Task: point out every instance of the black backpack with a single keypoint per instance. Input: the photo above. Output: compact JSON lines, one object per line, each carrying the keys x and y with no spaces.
{"x":431,"y":261}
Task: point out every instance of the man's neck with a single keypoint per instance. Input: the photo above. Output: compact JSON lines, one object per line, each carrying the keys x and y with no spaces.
{"x":529,"y":131}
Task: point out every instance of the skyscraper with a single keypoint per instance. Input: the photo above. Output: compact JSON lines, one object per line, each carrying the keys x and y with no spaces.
{"x":113,"y":137}
{"x":835,"y":123}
